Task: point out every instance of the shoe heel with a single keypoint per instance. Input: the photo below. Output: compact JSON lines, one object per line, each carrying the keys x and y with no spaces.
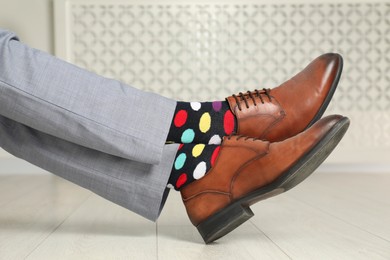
{"x":224,"y":222}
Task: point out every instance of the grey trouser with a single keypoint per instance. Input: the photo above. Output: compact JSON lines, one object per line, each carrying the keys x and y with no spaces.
{"x":96,"y":132}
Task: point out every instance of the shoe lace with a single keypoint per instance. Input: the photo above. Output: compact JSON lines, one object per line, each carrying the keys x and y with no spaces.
{"x":251,"y":95}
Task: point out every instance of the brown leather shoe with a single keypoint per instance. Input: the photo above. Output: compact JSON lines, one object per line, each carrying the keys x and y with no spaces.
{"x":249,"y":170}
{"x":290,"y":108}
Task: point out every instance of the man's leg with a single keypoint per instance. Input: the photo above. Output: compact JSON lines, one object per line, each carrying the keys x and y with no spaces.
{"x":136,"y":186}
{"x":60,"y":99}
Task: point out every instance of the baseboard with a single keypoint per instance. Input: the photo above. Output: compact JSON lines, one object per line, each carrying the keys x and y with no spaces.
{"x":12,"y":165}
{"x":355,"y":168}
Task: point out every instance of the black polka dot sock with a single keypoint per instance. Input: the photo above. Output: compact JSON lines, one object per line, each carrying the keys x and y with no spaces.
{"x":201,"y":122}
{"x":192,"y":162}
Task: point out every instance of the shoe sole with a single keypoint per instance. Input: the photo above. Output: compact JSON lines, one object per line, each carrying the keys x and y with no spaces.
{"x":329,"y":97}
{"x":232,"y":216}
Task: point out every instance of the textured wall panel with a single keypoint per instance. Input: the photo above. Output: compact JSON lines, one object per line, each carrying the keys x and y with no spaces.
{"x":208,"y":51}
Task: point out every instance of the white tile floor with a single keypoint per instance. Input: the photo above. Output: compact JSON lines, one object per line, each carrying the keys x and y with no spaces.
{"x":329,"y":216}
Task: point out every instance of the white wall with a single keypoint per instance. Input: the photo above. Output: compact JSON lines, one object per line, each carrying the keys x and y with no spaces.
{"x":32,"y":21}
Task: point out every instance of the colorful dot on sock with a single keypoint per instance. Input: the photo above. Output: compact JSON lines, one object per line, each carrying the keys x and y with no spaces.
{"x":197,"y":150}
{"x":205,"y":122}
{"x":195,"y":106}
{"x":180,"y":146}
{"x":228,"y":122}
{"x":180,"y":118}
{"x":200,"y":170}
{"x":181,"y":180}
{"x":217,"y":105}
{"x":187,"y":136}
{"x":214,"y":155}
{"x":215,"y":139}
{"x":180,"y":160}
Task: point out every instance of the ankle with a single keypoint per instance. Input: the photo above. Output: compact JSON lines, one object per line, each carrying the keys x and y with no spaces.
{"x":205,"y":122}
{"x":192,"y":162}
